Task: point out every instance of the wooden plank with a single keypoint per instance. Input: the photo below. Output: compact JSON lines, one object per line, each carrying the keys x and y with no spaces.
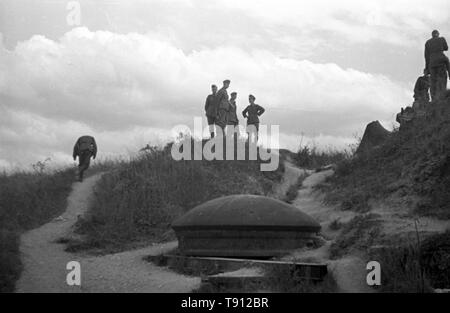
{"x":310,"y":271}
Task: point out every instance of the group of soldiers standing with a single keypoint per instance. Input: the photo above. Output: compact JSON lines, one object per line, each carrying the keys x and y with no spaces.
{"x":433,"y":81}
{"x":221,"y":111}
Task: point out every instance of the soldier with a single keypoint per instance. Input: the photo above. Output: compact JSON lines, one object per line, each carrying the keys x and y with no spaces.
{"x":223,"y":102}
{"x":84,"y":148}
{"x":211,"y":109}
{"x":232,"y":118}
{"x":252,"y":114}
{"x":437,"y":64}
{"x":422,"y":92}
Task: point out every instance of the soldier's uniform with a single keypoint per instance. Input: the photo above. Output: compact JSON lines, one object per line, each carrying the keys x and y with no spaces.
{"x":438,"y":65}
{"x":232,"y":118}
{"x":421,"y":94}
{"x":252,"y":114}
{"x":211,"y":109}
{"x":223,"y":102}
{"x":84,"y":148}
{"x":422,"y":89}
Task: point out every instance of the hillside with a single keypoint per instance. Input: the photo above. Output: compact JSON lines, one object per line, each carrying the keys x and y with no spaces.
{"x":411,"y":168}
{"x":134,"y":204}
{"x":399,"y":194}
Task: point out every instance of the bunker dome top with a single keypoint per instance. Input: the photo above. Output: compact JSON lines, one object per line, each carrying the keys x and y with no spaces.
{"x":246,"y":212}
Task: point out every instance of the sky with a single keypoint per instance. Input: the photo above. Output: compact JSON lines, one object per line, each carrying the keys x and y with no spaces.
{"x":128,"y":71}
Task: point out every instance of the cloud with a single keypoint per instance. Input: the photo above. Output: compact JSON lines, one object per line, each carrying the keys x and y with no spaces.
{"x":128,"y":89}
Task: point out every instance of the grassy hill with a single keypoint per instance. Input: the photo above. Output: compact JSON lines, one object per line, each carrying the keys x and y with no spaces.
{"x":407,"y":176}
{"x":413,"y":166}
{"x":135,"y":203}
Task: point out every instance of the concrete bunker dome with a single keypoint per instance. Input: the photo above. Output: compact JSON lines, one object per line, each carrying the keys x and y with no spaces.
{"x":244,"y":226}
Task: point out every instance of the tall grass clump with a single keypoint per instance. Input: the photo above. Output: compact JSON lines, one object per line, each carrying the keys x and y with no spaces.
{"x":138,"y":200}
{"x":311,"y":157}
{"x":27,"y":200}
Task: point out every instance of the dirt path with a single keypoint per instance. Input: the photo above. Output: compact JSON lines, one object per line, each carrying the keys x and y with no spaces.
{"x":350,"y":271}
{"x":45,"y":261}
{"x":290,"y":177}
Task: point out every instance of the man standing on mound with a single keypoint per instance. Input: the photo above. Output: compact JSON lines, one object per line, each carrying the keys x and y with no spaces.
{"x":211,"y":109}
{"x":223,"y":101}
{"x":437,"y":64}
{"x":252,"y":114}
{"x":84,"y":148}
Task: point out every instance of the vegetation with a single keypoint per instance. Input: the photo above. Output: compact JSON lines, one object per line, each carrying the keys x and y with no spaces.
{"x":313,"y":158}
{"x":137,"y":201}
{"x":414,"y":162}
{"x":358,"y":234}
{"x":27,"y":200}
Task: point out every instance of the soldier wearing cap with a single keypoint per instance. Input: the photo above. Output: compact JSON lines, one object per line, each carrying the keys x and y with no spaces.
{"x":422,"y":92}
{"x":232,"y":118}
{"x":252,"y":114}
{"x":223,"y":102}
{"x":211,"y":109}
{"x":437,"y":64}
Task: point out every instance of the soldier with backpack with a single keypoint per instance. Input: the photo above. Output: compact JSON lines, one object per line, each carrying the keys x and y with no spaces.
{"x":84,"y":148}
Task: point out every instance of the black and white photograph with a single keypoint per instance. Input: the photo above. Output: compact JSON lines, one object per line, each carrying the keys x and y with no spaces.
{"x":225,"y":153}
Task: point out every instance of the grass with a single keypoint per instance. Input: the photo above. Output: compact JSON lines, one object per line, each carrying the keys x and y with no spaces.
{"x":289,"y":280}
{"x":311,"y":157}
{"x":413,"y":162}
{"x":358,"y":234}
{"x":139,"y":199}
{"x":27,"y":200}
{"x":401,"y":270}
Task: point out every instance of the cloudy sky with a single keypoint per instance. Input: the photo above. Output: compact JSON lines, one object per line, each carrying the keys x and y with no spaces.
{"x":133,"y":69}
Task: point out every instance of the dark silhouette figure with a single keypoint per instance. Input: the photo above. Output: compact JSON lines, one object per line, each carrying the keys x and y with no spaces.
{"x":223,"y":102}
{"x":252,"y":114}
{"x":232,"y":118}
{"x":211,"y":109}
{"x":437,"y":64}
{"x":422,"y":89}
{"x":84,"y":148}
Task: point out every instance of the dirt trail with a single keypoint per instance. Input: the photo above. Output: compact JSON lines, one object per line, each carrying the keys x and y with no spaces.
{"x":290,"y":177}
{"x":45,"y":261}
{"x":350,"y":271}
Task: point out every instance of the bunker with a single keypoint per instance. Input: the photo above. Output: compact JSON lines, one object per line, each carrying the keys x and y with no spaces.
{"x":244,"y":226}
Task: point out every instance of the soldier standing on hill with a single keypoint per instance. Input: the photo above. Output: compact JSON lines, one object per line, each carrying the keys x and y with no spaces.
{"x":211,"y":109}
{"x":437,"y":64}
{"x":223,"y":102}
{"x":252,"y":114}
{"x":84,"y":148}
{"x":232,"y":119}
{"x":422,"y":92}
